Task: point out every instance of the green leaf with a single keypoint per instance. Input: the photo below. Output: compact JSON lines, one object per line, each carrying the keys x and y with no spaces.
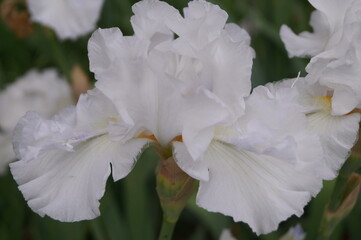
{"x":47,"y":228}
{"x":214,"y":222}
{"x":141,"y":203}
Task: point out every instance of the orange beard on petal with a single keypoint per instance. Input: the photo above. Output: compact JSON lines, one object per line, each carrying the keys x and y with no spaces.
{"x":178,"y":139}
{"x":149,"y":136}
{"x":356,"y":110}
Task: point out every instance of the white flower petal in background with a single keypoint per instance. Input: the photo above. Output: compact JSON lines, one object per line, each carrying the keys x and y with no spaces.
{"x":44,"y":92}
{"x":294,"y":233}
{"x":335,"y":50}
{"x":343,"y":76}
{"x":226,"y":235}
{"x":331,"y":23}
{"x":70,"y":19}
{"x":337,"y":134}
{"x":307,"y":44}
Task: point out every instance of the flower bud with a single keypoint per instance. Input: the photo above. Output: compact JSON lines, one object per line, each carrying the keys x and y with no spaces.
{"x":174,"y":187}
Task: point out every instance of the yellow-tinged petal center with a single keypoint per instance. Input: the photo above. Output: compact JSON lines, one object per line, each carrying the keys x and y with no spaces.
{"x":113,"y":119}
{"x":324,"y":103}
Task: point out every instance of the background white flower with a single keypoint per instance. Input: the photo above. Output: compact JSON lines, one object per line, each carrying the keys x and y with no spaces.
{"x":335,"y":49}
{"x":337,"y":134}
{"x":70,"y":19}
{"x":44,"y":92}
{"x":294,"y":233}
{"x":226,"y":235}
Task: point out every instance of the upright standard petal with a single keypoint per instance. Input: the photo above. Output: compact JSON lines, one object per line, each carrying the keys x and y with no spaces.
{"x":65,"y":161}
{"x":150,"y":21}
{"x":227,"y":67}
{"x":100,"y":59}
{"x":145,"y":93}
{"x":202,"y":23}
{"x":69,"y":19}
{"x":146,"y":81}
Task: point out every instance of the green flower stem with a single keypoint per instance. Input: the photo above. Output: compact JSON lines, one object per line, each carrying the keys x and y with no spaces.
{"x":349,"y":198}
{"x":167,"y":229}
{"x":344,"y":195}
{"x":350,"y":166}
{"x":174,"y":188}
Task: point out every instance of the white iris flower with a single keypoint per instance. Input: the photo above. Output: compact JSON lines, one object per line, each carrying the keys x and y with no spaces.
{"x":44,"y":92}
{"x":335,"y":48}
{"x":70,"y":19}
{"x":183,"y":84}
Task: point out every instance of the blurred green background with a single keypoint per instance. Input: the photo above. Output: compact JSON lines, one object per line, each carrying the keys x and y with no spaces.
{"x":130,"y":208}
